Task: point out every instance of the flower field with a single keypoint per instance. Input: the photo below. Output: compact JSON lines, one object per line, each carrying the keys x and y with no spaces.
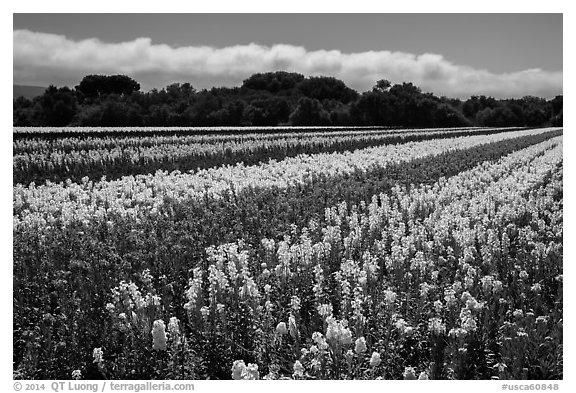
{"x":344,"y":254}
{"x":58,"y":159}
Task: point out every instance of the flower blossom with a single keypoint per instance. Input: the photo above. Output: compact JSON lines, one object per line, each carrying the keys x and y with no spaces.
{"x":360,"y":346}
{"x":98,"y":355}
{"x":409,"y":373}
{"x":159,"y":335}
{"x":281,"y":328}
{"x":375,"y":359}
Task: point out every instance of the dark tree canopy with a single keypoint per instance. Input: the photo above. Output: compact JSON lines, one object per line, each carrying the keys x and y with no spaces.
{"x":273,"y":81}
{"x":58,"y":106}
{"x":382,"y":85}
{"x":97,"y":85}
{"x":309,"y":111}
{"x":326,"y":88}
{"x":270,"y":99}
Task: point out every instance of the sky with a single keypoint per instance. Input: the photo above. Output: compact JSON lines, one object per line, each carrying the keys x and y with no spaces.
{"x":457,"y":55}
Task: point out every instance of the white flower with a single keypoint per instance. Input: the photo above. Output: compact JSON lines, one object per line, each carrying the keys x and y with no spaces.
{"x":467,"y":320}
{"x":281,"y":328}
{"x":542,"y":319}
{"x":436,"y":326}
{"x":295,"y":304}
{"x":251,"y":372}
{"x":324,"y":310}
{"x":518,"y":314}
{"x":438,"y":306}
{"x":375,"y":359}
{"x":98,"y":355}
{"x":349,"y":356}
{"x":298,"y":369}
{"x":457,"y":332}
{"x":389,"y":297}
{"x":174,"y":329}
{"x":346,"y":336}
{"x":403,"y":327}
{"x":337,"y":332}
{"x":159,"y":335}
{"x":292,"y":327}
{"x":205,"y":311}
{"x":238,"y":369}
{"x":76,"y":374}
{"x":409,"y":373}
{"x":360,"y":345}
{"x":317,"y":337}
{"x":423,"y":375}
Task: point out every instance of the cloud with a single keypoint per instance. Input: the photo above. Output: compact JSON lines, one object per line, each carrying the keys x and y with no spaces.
{"x":41,"y":59}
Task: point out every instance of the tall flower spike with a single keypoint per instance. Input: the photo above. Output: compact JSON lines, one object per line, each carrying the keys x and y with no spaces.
{"x":360,"y":346}
{"x":159,"y":335}
{"x":98,"y":355}
{"x":375,"y":359}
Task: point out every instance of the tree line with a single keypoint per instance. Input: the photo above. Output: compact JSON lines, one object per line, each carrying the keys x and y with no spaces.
{"x":271,"y":99}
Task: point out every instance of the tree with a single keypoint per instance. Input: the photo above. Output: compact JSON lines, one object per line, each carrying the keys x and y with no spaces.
{"x":447,"y":116}
{"x":273,"y":98}
{"x":327,"y":88}
{"x":382,"y":86}
{"x":92,"y":86}
{"x":273,"y":81}
{"x":557,"y":105}
{"x":267,"y":112}
{"x":58,"y":106}
{"x":375,"y":108}
{"x":500,"y":116}
{"x":309,"y":112}
{"x":27,"y":112}
{"x":475,"y":104}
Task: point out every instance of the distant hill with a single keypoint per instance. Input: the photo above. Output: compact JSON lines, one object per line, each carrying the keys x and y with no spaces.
{"x":28,"y":91}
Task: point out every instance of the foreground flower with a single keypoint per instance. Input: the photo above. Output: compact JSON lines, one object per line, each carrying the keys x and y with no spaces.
{"x":292,"y":327}
{"x":337,"y":332}
{"x":409,"y":373}
{"x":159,"y":335}
{"x":298,"y":370}
{"x":76,"y":374}
{"x":174,"y":330}
{"x":375,"y":359}
{"x":281,"y":328}
{"x":238,"y":368}
{"x":251,"y":372}
{"x":349,"y":356}
{"x":98,"y":355}
{"x":360,"y":346}
{"x":436,"y":326}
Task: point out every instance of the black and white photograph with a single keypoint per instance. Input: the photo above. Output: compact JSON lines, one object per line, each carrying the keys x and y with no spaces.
{"x":287,"y":196}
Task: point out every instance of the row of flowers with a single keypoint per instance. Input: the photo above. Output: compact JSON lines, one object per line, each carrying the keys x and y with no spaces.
{"x":67,"y":144}
{"x":38,"y":159}
{"x":56,"y":204}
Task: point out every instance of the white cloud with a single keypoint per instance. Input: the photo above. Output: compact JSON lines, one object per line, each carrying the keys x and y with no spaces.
{"x":41,"y":59}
